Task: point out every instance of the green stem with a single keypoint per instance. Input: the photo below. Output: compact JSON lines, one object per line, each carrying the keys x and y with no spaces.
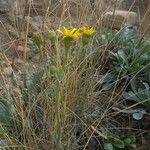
{"x":66,"y":58}
{"x":41,"y":54}
{"x":58,"y":116}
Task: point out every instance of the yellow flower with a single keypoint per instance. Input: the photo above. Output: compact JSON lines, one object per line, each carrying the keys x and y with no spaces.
{"x":70,"y":33}
{"x":87,"y":30}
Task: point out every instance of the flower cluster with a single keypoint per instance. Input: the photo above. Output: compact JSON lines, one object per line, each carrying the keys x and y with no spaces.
{"x":77,"y":32}
{"x":88,"y":31}
{"x":68,"y":34}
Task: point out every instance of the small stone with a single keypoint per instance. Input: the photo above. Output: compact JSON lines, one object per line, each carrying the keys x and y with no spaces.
{"x":15,"y":34}
{"x":19,"y":63}
{"x":7,"y":71}
{"x":5,"y":6}
{"x":36,"y":58}
{"x":3,"y":142}
{"x":119,"y":19}
{"x":21,"y":50}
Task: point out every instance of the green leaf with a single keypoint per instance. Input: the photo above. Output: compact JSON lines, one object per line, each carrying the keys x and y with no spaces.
{"x":32,"y":81}
{"x":110,"y":135}
{"x":56,"y":72}
{"x":138,"y":115}
{"x":127,"y":141}
{"x":130,"y":141}
{"x":5,"y":112}
{"x":107,"y":86}
{"x":133,"y":145}
{"x":108,"y":146}
{"x":100,"y":134}
{"x":138,"y":94}
{"x":118,"y":143}
{"x":8,"y":120}
{"x":130,"y":96}
{"x":121,"y":54}
{"x":133,"y":138}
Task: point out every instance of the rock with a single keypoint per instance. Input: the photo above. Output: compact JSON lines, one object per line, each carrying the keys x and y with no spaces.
{"x":119,"y":19}
{"x":15,"y":34}
{"x":3,"y":142}
{"x":5,"y":6}
{"x":145,"y":23}
{"x":20,"y":62}
{"x":36,"y":58}
{"x":138,"y":6}
{"x":35,"y":23}
{"x":19,"y":66}
{"x":7,"y":71}
{"x":21,"y":50}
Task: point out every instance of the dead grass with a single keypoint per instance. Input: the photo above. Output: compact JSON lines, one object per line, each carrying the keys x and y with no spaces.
{"x":50,"y":120}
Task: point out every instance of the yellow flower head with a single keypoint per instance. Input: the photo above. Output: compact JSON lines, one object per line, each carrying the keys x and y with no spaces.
{"x":87,"y":30}
{"x":70,"y":33}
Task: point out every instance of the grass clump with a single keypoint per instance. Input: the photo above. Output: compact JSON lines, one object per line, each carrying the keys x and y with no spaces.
{"x":85,"y":80}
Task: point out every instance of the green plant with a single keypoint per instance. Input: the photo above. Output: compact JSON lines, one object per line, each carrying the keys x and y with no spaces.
{"x":133,"y":63}
{"x":129,"y":59}
{"x":106,"y":82}
{"x":130,"y":56}
{"x":64,"y":76}
{"x":115,"y":143}
{"x":127,"y":37}
{"x":138,"y":94}
{"x":8,"y":117}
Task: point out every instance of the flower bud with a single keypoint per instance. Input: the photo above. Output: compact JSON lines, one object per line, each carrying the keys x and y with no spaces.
{"x":37,"y":39}
{"x":52,"y":35}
